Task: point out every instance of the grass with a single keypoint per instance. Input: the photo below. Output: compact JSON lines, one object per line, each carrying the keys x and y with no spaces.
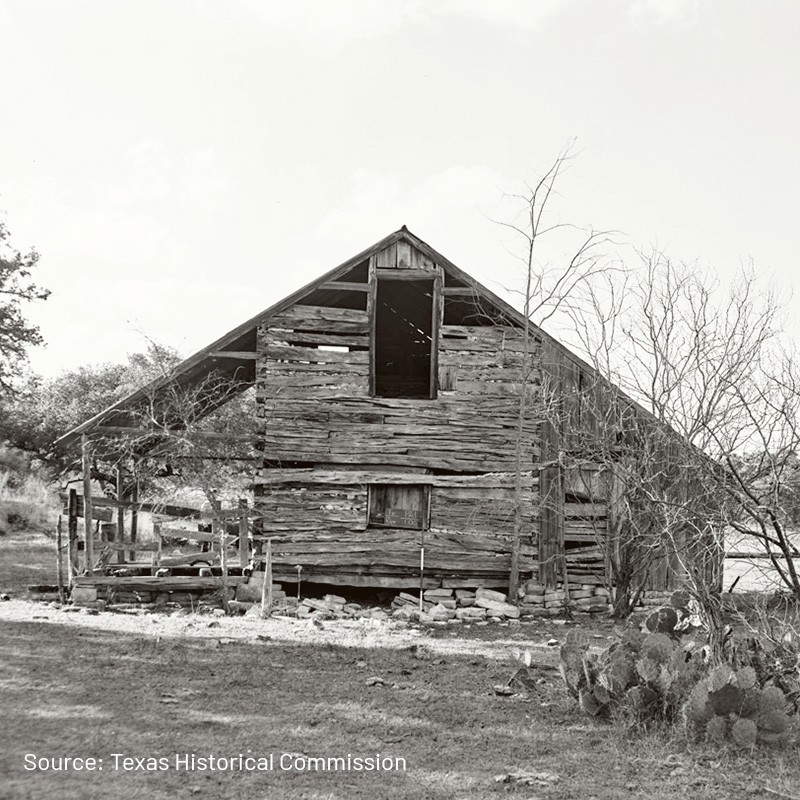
{"x":69,"y":690}
{"x":26,"y":559}
{"x":27,"y":502}
{"x":90,"y":693}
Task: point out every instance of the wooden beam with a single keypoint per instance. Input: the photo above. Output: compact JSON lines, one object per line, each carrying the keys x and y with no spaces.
{"x":459,"y":291}
{"x":86,"y":457}
{"x":195,"y":536}
{"x":241,"y":355}
{"x":406,"y":274}
{"x":148,"y":583}
{"x":125,"y":430}
{"x":244,"y":549}
{"x":345,"y":286}
{"x":120,"y":514}
{"x":72,"y":534}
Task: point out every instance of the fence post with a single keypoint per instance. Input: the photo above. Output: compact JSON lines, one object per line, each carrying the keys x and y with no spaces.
{"x":87,"y":503}
{"x":60,"y":562}
{"x":120,"y":515}
{"x":72,"y":534}
{"x":244,"y":545}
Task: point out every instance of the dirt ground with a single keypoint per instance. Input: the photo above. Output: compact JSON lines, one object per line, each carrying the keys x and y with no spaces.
{"x":189,"y":705}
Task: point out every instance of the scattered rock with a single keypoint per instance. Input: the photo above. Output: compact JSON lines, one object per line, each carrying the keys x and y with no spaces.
{"x":522,"y":778}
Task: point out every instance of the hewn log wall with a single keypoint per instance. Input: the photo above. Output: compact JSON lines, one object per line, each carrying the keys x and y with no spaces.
{"x":326,"y":440}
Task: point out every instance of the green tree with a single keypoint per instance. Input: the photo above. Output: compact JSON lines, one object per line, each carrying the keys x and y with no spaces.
{"x":17,"y":287}
{"x":43,"y":409}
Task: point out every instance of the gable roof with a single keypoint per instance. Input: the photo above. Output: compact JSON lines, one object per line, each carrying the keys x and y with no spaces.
{"x":220,"y":356}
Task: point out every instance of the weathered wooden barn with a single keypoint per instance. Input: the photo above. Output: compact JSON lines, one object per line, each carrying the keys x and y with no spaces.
{"x":407,"y":433}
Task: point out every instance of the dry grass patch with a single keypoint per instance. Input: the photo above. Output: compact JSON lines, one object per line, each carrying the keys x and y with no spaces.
{"x":79,"y":691}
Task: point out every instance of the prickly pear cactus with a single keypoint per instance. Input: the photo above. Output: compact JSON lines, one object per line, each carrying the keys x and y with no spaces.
{"x":727,"y":708}
{"x":653,"y":676}
{"x":744,"y":733}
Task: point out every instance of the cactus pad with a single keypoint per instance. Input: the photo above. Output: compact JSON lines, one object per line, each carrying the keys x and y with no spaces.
{"x":744,"y":732}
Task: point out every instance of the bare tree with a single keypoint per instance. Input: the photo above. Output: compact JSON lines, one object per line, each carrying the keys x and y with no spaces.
{"x":706,"y":361}
{"x":179,"y":439}
{"x":547,"y":291}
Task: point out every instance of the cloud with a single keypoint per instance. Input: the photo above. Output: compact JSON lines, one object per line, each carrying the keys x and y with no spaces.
{"x":343,"y":19}
{"x":514,"y":14}
{"x":376,"y":203}
{"x":193,"y":179}
{"x":664,"y":11}
{"x":333,"y":23}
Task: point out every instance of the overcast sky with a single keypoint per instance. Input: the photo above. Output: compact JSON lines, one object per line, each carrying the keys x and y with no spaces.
{"x":183,"y":164}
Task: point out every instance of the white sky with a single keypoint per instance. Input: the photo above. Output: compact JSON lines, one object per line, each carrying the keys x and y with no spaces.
{"x":183,"y":164}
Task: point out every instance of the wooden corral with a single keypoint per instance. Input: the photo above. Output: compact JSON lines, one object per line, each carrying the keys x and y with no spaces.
{"x":406,"y":431}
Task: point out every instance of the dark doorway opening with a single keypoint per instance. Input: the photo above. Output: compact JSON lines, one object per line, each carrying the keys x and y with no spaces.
{"x":404,"y":339}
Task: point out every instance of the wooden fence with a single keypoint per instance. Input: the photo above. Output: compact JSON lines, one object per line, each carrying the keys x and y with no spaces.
{"x":109,"y":546}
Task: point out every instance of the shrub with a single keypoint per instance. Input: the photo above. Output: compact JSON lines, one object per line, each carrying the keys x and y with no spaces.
{"x":27,"y":500}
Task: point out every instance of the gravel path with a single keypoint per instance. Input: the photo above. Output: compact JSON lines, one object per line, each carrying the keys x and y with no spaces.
{"x":497,"y":643}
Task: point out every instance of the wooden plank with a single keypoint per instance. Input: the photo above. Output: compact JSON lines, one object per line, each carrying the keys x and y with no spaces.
{"x":59,"y":560}
{"x":362,"y":476}
{"x":244,"y":547}
{"x":240,"y":355}
{"x":302,"y":312}
{"x":372,"y":304}
{"x":98,"y":514}
{"x":120,"y":511}
{"x":403,"y":255}
{"x":134,"y":494}
{"x":195,"y":536}
{"x":437,"y":312}
{"x":315,"y":355}
{"x":146,"y":583}
{"x":72,"y":533}
{"x":404,"y":274}
{"x":420,"y":260}
{"x":357,"y":579}
{"x":386,"y":258}
{"x":351,"y":382}
{"x":345,"y":286}
{"x":121,"y":547}
{"x":293,"y":338}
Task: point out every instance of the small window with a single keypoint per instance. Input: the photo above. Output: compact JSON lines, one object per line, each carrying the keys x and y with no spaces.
{"x":398,"y":507}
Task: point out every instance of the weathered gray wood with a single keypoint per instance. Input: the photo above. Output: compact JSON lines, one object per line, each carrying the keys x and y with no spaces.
{"x":244,"y":547}
{"x":361,"y":476}
{"x":405,"y":274}
{"x":59,"y":560}
{"x":72,"y":534}
{"x":88,"y":521}
{"x":145,"y":583}
{"x":345,"y":286}
{"x":291,"y":338}
{"x":120,"y":512}
{"x":239,"y":355}
{"x":195,"y":536}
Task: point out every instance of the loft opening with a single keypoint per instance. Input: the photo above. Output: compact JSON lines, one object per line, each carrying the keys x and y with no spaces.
{"x":403,"y":345}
